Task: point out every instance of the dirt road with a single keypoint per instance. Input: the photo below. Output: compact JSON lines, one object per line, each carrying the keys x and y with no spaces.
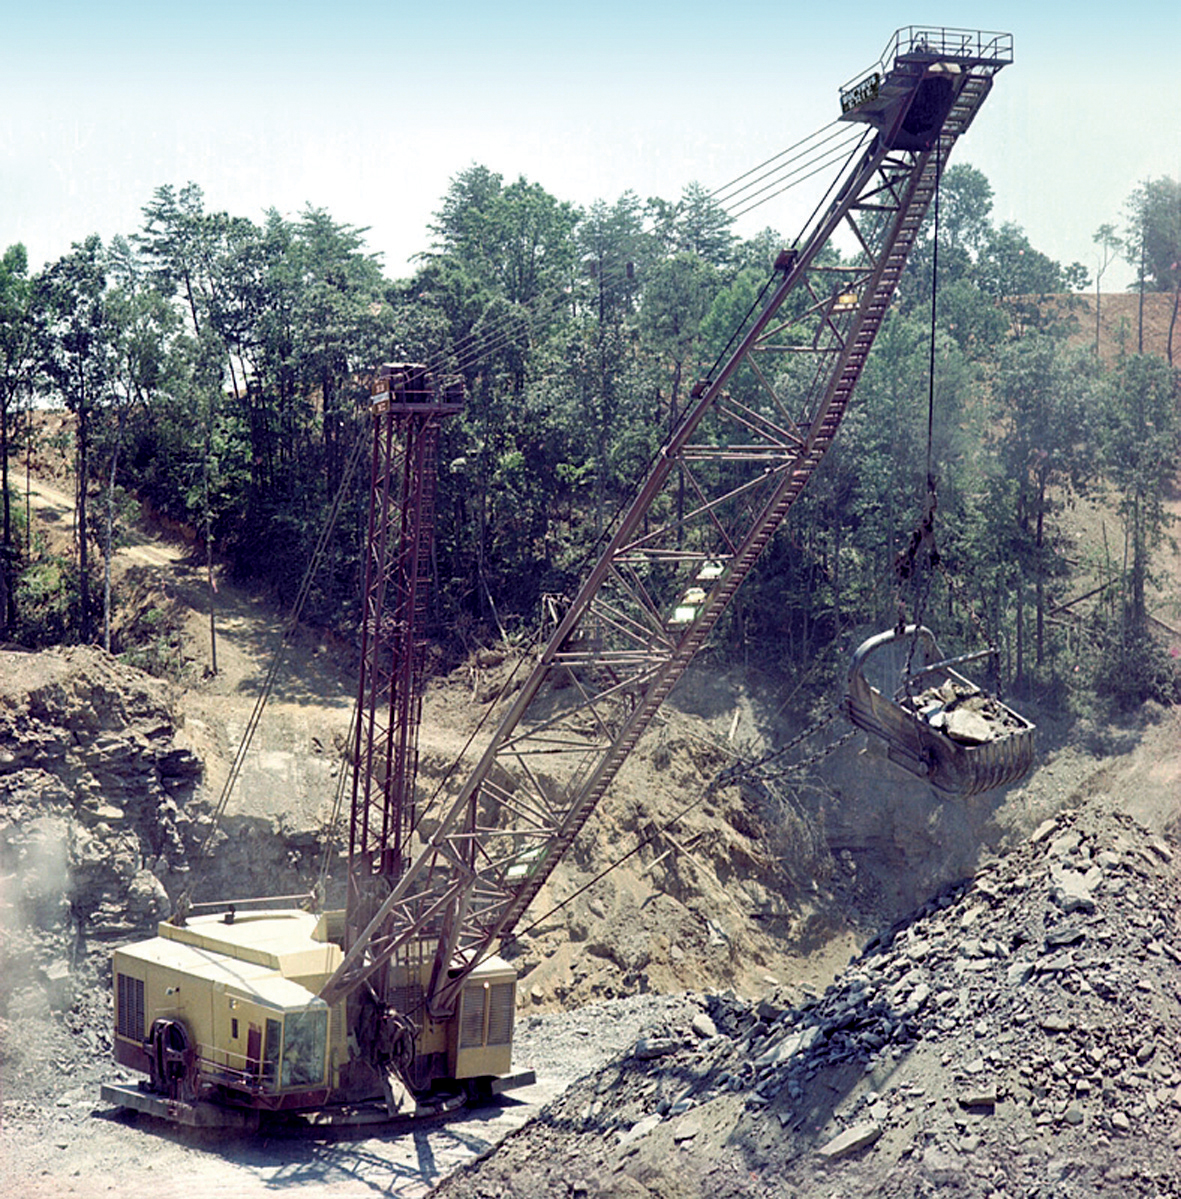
{"x":94,"y":1152}
{"x":55,"y":509}
{"x":76,"y":1147}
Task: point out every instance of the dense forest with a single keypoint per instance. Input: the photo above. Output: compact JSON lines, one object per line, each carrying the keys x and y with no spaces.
{"x":216,"y":369}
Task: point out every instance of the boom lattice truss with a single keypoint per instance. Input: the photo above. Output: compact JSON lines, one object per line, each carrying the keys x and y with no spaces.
{"x":725,"y":480}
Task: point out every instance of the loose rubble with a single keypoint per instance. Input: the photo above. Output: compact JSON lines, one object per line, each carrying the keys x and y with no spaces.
{"x":964,"y":713}
{"x":1017,"y":1036}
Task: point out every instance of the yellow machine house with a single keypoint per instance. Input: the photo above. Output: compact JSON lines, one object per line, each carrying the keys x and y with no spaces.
{"x":225,"y":1008}
{"x":230,"y":1002}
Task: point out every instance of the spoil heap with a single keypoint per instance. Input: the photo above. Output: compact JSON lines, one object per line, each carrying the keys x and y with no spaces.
{"x":1017,"y":1036}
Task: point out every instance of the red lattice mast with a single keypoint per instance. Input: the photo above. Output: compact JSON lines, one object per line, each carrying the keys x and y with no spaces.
{"x":407,"y":413}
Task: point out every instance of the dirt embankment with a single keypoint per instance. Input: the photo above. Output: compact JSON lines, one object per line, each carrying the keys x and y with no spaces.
{"x":1122,"y":322}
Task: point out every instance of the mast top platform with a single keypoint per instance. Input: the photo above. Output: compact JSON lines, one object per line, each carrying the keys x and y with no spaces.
{"x":909,"y":94}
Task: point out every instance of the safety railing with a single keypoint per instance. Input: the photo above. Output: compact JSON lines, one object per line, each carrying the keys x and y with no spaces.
{"x":970,"y":47}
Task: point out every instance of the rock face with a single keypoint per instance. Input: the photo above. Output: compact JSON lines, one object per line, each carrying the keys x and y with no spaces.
{"x":94,"y":792}
{"x":1018,"y":1035}
{"x":104,"y":807}
{"x":96,"y":814}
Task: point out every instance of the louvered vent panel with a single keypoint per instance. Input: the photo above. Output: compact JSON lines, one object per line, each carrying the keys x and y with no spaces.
{"x":500,"y":1013}
{"x":471,"y":1021}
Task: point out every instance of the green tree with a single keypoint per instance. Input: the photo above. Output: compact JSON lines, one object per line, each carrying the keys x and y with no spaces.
{"x":679,"y":295}
{"x":1154,"y":243}
{"x":515,"y":240}
{"x":502,"y":270}
{"x":1139,"y":428}
{"x":184,"y":247}
{"x":1043,"y":452}
{"x":619,"y":258}
{"x":617,"y":255}
{"x":18,"y":359}
{"x":76,"y":347}
{"x":759,"y":253}
{"x":992,"y":282}
{"x":1156,"y":208}
{"x":143,"y":327}
{"x":704,"y":227}
{"x":965,"y":208}
{"x":1019,"y":278}
{"x":342,"y":323}
{"x":965,"y":228}
{"x":696,"y":224}
{"x":213,"y":261}
{"x":1109,"y":246}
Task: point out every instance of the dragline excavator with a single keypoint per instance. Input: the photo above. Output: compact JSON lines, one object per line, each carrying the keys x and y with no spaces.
{"x":399,"y":1001}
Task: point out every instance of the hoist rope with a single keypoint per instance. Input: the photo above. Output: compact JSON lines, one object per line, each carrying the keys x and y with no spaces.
{"x":278,"y":656}
{"x":819,"y":165}
{"x":475,"y":347}
{"x":934,"y":314}
{"x":330,"y":829}
{"x":923,"y":536}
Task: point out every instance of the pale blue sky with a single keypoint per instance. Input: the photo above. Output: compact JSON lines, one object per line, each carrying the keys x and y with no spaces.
{"x":368,"y":110}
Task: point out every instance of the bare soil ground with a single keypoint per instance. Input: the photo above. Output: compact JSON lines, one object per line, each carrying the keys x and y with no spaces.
{"x":1120,"y":323}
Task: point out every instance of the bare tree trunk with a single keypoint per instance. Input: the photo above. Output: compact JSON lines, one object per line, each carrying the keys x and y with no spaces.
{"x":109,"y":533}
{"x":83,"y":484}
{"x":29,"y":479}
{"x":1140,"y":322}
{"x":212,"y":602}
{"x":1173,"y":320}
{"x":209,"y":539}
{"x":6,"y":552}
{"x":1139,"y":571}
{"x":1040,"y":588}
{"x":1020,"y":665}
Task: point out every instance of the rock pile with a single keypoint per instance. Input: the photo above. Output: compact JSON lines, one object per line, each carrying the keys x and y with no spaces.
{"x":965,"y":713}
{"x":1017,"y":1036}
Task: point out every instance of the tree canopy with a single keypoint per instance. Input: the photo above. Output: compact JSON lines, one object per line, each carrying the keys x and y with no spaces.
{"x":216,"y":364}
